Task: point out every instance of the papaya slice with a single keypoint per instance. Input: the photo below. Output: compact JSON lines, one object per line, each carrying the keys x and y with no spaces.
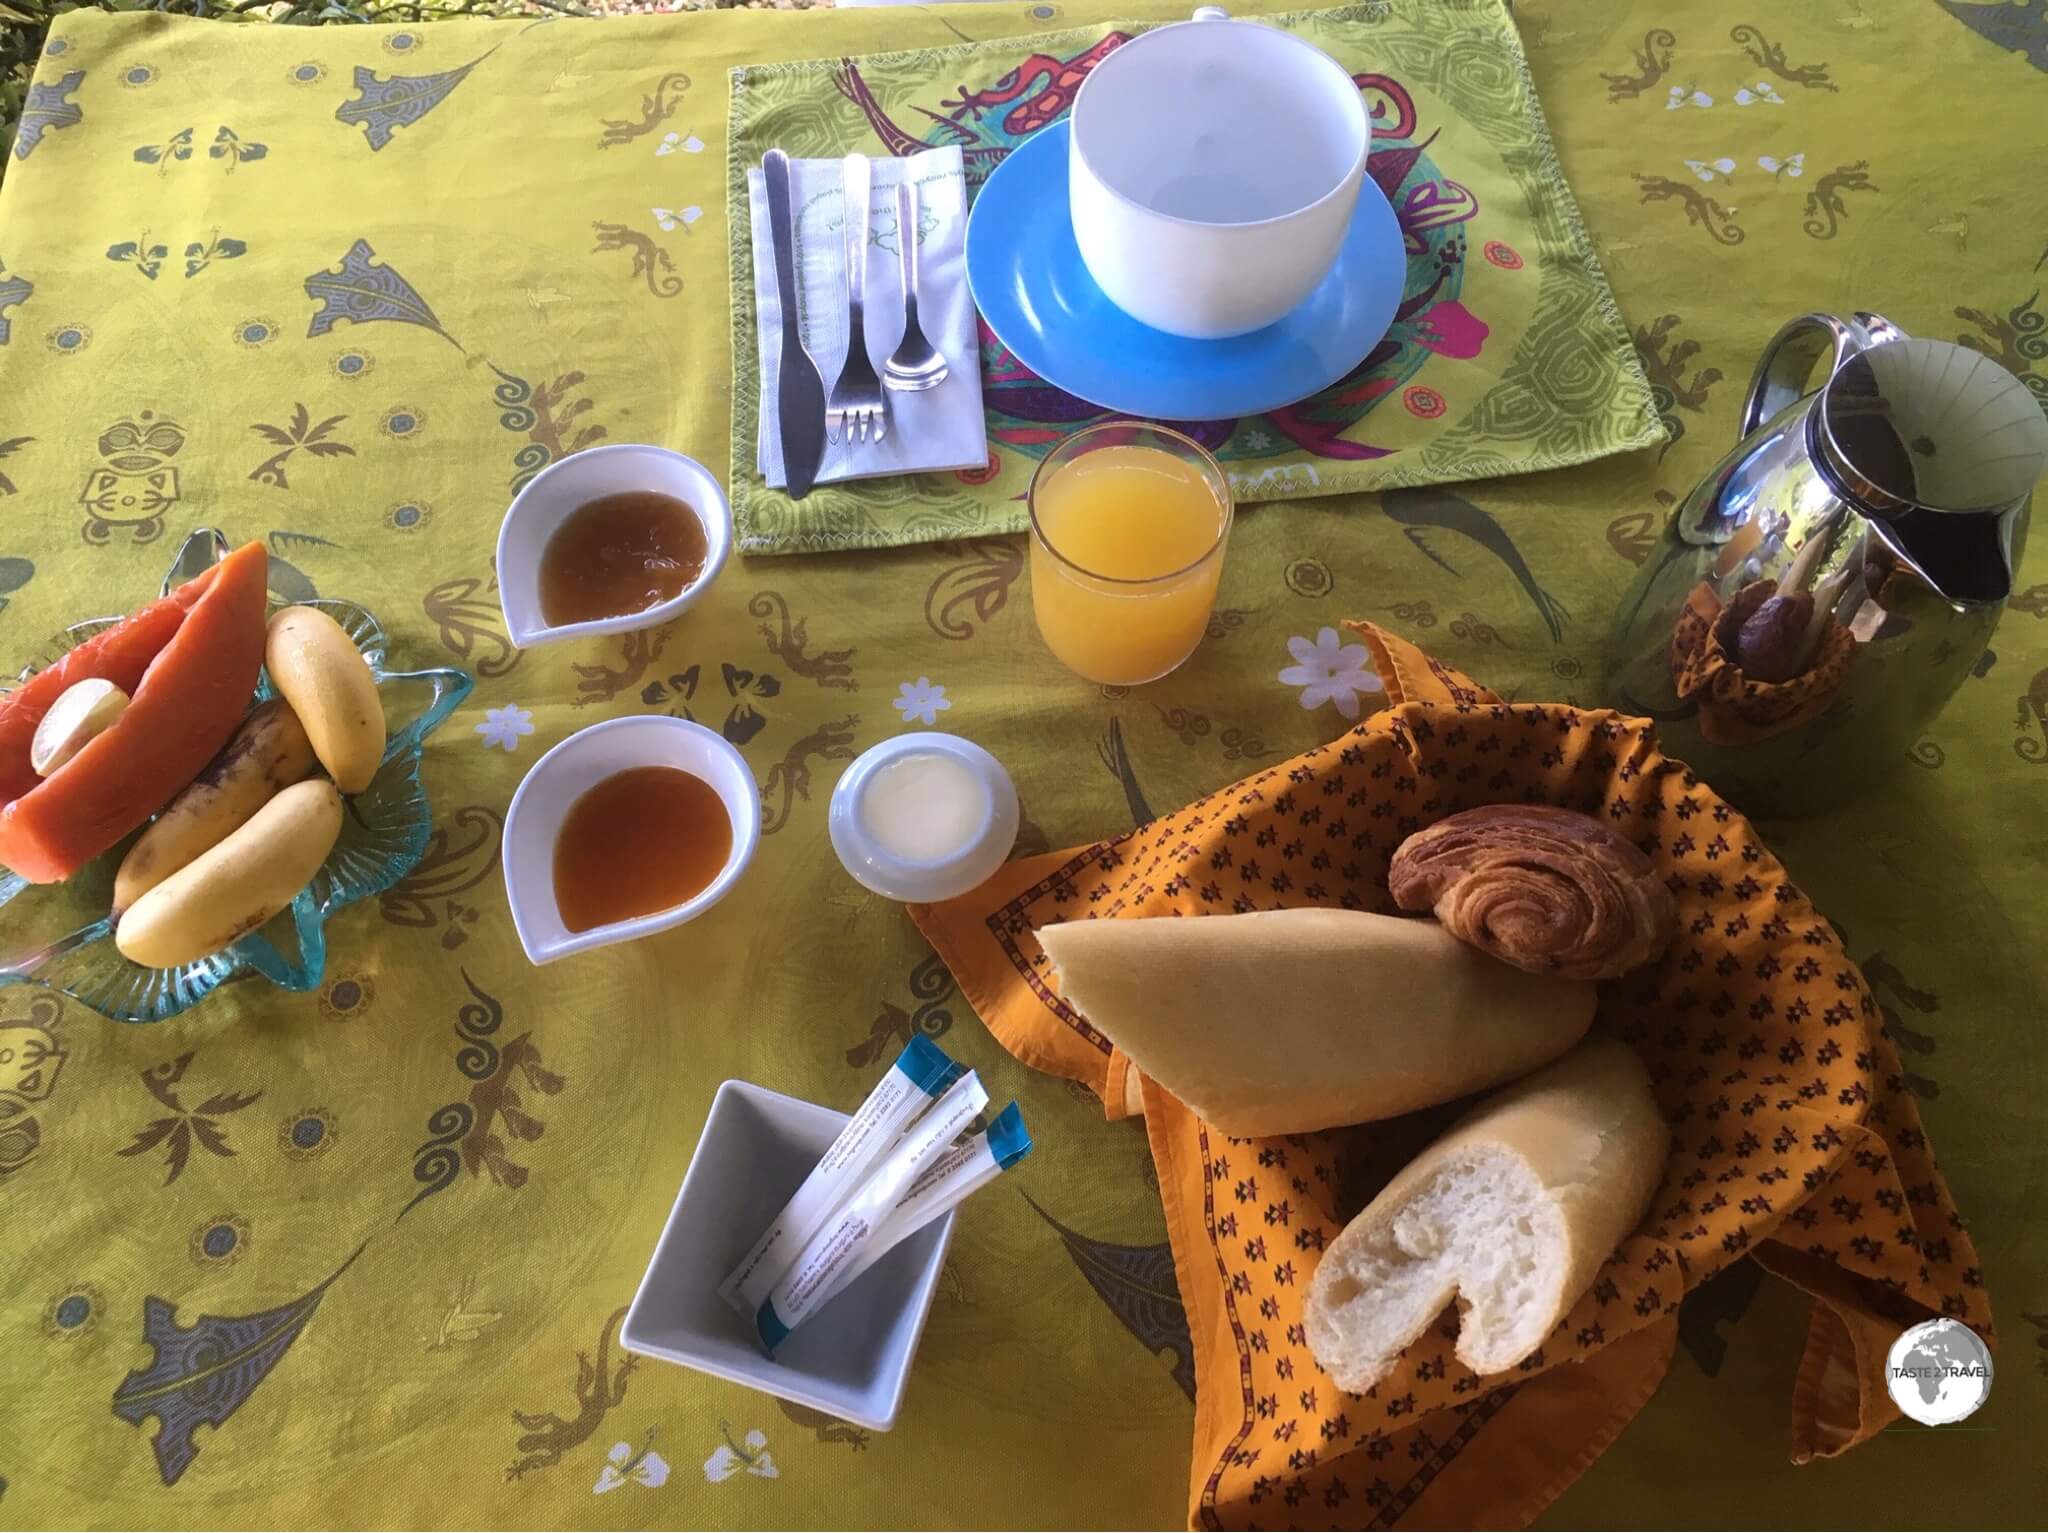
{"x":189,"y":663}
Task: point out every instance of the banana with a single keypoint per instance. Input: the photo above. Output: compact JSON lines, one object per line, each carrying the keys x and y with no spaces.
{"x":270,"y":751}
{"x":82,"y":712}
{"x":237,"y":885}
{"x":316,"y":669}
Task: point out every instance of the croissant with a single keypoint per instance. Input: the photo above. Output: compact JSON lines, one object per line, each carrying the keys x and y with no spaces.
{"x":1548,"y":890}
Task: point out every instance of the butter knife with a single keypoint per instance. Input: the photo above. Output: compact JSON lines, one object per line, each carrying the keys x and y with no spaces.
{"x":800,"y":388}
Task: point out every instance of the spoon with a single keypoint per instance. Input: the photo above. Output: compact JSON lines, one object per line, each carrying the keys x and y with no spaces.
{"x":916,"y":364}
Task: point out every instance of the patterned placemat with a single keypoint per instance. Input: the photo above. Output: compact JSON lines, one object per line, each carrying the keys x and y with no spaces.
{"x":1507,"y":354}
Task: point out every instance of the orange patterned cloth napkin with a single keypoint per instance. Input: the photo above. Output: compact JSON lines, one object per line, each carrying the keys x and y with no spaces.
{"x":1794,"y":1139}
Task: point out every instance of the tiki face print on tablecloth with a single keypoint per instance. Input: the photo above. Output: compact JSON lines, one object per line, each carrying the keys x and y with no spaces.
{"x":136,"y":483}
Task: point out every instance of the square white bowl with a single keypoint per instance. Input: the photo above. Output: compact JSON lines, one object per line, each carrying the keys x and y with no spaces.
{"x":851,"y":1358}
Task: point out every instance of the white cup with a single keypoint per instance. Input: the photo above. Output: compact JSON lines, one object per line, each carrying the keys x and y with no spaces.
{"x":1213,"y":168}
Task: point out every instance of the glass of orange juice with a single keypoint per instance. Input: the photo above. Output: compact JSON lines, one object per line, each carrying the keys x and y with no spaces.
{"x":1128,"y":523}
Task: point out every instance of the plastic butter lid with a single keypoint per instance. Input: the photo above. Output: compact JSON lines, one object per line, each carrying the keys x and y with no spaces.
{"x":924,"y":817}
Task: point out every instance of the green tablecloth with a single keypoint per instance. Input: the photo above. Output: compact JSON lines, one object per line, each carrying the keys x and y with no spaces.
{"x":406,"y":272}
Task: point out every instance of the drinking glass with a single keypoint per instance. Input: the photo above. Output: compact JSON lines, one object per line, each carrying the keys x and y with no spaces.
{"x":1128,"y":525}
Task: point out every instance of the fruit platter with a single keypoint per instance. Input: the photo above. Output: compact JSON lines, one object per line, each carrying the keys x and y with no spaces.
{"x":188,"y":793}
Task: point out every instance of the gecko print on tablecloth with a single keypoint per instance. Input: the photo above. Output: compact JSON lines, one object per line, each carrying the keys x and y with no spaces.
{"x":465,"y":1135}
{"x":185,"y":1126}
{"x":656,"y":107}
{"x":1652,"y":63}
{"x":45,"y":109}
{"x":2016,"y":340}
{"x":362,"y":289}
{"x":789,"y":642}
{"x":547,"y":416}
{"x":790,"y":778}
{"x":931,"y":987}
{"x":545,"y":1436}
{"x":600,"y":683}
{"x":202,"y":1373}
{"x":1701,"y":211}
{"x":1771,"y":56}
{"x":649,"y":259}
{"x":1664,"y":361}
{"x":1825,"y":209}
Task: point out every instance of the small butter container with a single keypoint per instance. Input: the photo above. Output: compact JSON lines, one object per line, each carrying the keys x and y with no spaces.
{"x":924,"y":817}
{"x":853,"y":1359}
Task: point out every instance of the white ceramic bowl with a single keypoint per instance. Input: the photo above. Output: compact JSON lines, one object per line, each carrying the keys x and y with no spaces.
{"x":560,"y":488}
{"x":1213,"y":169}
{"x":852,"y":1357}
{"x":578,"y":764}
{"x":897,"y":878}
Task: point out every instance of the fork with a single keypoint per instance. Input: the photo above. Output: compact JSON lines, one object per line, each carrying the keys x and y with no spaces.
{"x":856,"y":404}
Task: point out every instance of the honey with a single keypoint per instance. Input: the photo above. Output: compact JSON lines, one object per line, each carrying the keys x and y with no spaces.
{"x":620,"y":554}
{"x":641,"y":841}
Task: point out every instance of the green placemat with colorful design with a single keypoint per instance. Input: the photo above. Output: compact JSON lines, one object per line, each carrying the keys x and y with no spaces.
{"x":1506,"y":355}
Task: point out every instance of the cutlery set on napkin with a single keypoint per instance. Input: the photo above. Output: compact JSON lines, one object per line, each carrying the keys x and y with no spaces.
{"x":860,"y":278}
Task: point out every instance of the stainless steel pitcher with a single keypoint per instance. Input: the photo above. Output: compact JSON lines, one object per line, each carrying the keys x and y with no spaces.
{"x":1817,"y":599}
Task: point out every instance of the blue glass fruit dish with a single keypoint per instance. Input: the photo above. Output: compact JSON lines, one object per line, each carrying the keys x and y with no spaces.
{"x":60,"y":936}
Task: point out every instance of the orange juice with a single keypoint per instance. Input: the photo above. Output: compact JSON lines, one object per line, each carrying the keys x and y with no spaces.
{"x":1126,"y":550}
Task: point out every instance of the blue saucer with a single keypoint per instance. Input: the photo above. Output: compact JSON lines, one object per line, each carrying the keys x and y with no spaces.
{"x":1032,"y":287}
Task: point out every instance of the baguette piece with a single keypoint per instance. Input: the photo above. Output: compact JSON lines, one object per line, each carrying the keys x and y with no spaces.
{"x":1282,"y":1022}
{"x":1512,"y":1212}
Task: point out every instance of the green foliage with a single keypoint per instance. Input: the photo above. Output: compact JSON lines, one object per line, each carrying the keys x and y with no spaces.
{"x":24,"y":24}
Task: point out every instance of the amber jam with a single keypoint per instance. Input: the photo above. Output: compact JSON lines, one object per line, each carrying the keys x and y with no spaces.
{"x":641,"y":841}
{"x":620,"y":554}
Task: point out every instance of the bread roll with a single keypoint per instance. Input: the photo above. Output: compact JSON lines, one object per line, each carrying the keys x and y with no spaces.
{"x":1282,"y":1022}
{"x":1512,"y":1212}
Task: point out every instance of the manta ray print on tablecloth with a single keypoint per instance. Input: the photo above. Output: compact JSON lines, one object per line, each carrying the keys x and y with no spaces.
{"x":1506,"y":354}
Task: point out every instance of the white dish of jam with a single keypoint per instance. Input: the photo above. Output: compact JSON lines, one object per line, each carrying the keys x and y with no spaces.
{"x":625,"y":829}
{"x":609,"y":540}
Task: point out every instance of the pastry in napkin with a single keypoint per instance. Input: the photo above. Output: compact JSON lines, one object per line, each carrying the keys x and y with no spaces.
{"x":939,"y":429}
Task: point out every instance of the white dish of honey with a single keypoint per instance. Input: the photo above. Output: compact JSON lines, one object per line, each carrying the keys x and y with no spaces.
{"x":627,"y":828}
{"x":608,"y":540}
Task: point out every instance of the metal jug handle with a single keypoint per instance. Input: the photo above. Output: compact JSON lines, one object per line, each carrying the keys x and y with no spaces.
{"x":1784,"y":369}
